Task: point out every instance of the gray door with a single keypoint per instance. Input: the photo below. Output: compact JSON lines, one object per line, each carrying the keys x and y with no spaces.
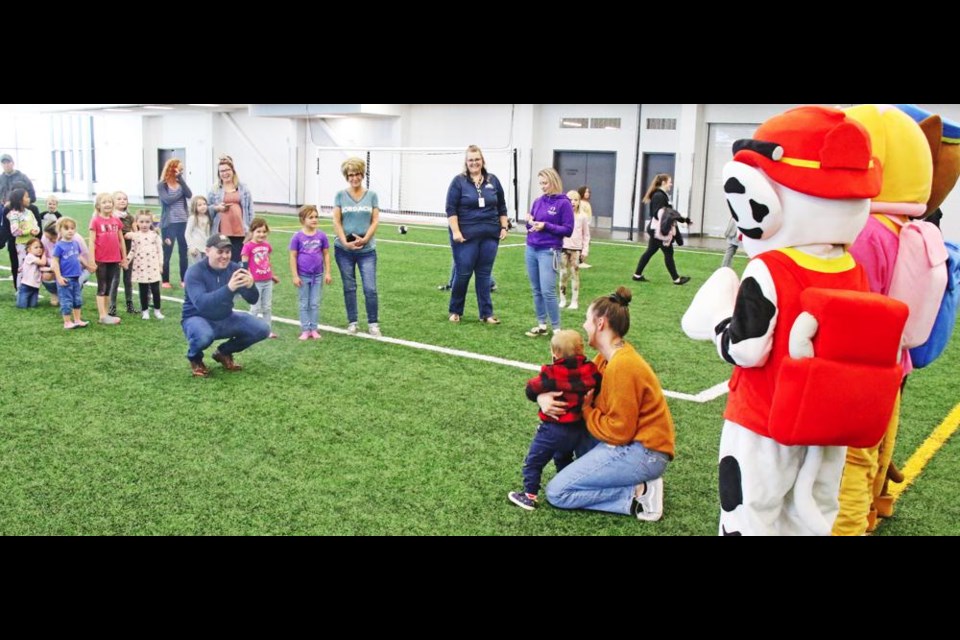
{"x":595,"y":169}
{"x":165,"y":154}
{"x":653,"y":163}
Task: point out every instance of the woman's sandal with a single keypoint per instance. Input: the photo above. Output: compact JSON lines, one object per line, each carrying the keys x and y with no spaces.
{"x":454,"y":317}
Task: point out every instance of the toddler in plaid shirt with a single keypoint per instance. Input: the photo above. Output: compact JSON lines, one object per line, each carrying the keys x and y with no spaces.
{"x":558,"y":439}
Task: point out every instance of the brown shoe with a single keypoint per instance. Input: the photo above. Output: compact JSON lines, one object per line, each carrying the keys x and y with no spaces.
{"x":227,"y":361}
{"x":199,"y":369}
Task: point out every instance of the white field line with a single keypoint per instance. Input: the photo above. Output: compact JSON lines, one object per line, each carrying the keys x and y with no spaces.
{"x":702,"y":397}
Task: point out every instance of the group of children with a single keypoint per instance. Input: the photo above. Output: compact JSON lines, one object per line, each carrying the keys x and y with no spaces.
{"x":129,"y":246}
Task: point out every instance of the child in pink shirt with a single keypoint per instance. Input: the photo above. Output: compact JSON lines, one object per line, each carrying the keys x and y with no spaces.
{"x":108,"y":252}
{"x":256,"y":257}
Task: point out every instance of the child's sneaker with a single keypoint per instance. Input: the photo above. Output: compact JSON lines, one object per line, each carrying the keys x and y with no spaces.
{"x":165,"y":285}
{"x":649,"y":506}
{"x":315,"y":335}
{"x":145,"y":315}
{"x":304,"y":336}
{"x":352,"y":328}
{"x":537,"y":331}
{"x":374,"y":330}
{"x":108,"y":319}
{"x":130,"y":308}
{"x":158,"y":315}
{"x":523,"y":500}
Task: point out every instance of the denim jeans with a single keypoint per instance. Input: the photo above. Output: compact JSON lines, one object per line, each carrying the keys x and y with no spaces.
{"x":71,"y":296}
{"x":476,"y":255}
{"x":310,"y":294}
{"x":542,"y":266}
{"x":27,"y":296}
{"x":243,"y":330}
{"x":557,"y":442}
{"x":348,"y":262}
{"x":605,"y":478}
{"x":264,"y":306}
{"x":174,"y":231}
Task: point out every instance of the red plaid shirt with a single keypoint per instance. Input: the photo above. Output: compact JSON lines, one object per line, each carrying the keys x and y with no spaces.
{"x":575,"y":376}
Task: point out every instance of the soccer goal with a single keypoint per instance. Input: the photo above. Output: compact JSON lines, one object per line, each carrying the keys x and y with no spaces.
{"x":408,"y":180}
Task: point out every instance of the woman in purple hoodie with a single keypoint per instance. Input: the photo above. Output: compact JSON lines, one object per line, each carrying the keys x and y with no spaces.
{"x":549,"y":222}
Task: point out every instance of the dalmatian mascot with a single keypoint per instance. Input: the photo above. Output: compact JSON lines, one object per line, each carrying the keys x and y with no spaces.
{"x":801,"y":328}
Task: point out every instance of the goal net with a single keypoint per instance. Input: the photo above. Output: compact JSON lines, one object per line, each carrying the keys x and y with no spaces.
{"x":409,"y":181}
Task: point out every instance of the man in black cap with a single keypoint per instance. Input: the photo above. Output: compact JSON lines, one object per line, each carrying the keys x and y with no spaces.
{"x":12,"y":179}
{"x":208,"y":313}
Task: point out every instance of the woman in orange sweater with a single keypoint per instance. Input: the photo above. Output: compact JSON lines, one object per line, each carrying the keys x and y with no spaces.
{"x":630,"y":418}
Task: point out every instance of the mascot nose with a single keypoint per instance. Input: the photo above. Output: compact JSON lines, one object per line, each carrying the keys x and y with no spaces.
{"x":769,"y":149}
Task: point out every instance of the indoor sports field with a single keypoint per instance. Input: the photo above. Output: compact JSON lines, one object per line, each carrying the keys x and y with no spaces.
{"x":422,"y":432}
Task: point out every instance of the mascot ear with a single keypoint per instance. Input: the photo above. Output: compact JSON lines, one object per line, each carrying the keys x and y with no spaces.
{"x":752,"y":200}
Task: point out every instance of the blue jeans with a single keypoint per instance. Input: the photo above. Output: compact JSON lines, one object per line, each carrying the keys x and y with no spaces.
{"x":542,"y":266}
{"x":605,"y":479}
{"x":71,"y":296}
{"x":347,"y":262}
{"x":310,"y":294}
{"x":27,"y":296}
{"x":557,"y":442}
{"x":476,"y":255}
{"x":175,"y":231}
{"x":243,"y":330}
{"x":453,"y":277}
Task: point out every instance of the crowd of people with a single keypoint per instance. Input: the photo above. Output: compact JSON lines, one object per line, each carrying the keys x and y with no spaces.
{"x":610,"y":450}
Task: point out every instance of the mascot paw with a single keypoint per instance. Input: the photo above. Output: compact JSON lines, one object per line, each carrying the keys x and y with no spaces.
{"x":713,"y":303}
{"x":801,"y":335}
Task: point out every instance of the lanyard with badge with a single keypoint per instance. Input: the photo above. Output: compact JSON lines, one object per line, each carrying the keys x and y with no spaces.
{"x":480,"y":202}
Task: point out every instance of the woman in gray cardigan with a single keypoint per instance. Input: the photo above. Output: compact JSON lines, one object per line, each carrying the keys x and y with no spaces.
{"x":174,"y":209}
{"x":233,"y":204}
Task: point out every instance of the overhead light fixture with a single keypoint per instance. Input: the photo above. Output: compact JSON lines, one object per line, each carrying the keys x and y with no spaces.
{"x":115,"y":110}
{"x":329,"y":115}
{"x":572,"y":123}
{"x":157,"y":106}
{"x":203,"y":105}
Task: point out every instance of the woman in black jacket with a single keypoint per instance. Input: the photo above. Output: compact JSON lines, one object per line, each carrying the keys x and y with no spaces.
{"x":657,"y":197}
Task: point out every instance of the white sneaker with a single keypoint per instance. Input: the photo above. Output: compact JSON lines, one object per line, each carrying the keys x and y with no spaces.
{"x":563,"y":302}
{"x":352,"y":328}
{"x":145,"y":315}
{"x":650,"y":504}
{"x":584,"y":265}
{"x":109,"y":320}
{"x":574,"y":305}
{"x":374,"y":330}
{"x":157,"y":314}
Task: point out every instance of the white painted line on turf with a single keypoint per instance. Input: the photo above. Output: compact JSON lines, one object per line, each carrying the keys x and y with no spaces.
{"x":704,"y":396}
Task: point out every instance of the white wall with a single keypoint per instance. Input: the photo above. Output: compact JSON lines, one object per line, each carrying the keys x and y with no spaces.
{"x":264,"y":152}
{"x":550,"y":137}
{"x":190,"y":131}
{"x":26,"y":137}
{"x":120,"y":157}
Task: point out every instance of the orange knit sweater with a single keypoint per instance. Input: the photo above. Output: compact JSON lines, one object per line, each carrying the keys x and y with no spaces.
{"x":630,"y":406}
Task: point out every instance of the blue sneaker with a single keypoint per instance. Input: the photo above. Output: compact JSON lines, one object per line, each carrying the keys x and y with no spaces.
{"x":523,"y":500}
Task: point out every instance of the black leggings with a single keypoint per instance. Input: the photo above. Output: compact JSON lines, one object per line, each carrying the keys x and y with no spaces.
{"x":236,"y":246}
{"x":14,"y":258}
{"x":146,"y":288}
{"x":654,"y":246}
{"x":127,"y":284}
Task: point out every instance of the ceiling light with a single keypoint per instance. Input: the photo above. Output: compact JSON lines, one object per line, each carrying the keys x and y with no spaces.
{"x":157,"y":106}
{"x":119,"y":110}
{"x":203,"y":105}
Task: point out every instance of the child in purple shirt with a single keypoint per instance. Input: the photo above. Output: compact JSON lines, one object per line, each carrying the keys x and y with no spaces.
{"x":309,"y":260}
